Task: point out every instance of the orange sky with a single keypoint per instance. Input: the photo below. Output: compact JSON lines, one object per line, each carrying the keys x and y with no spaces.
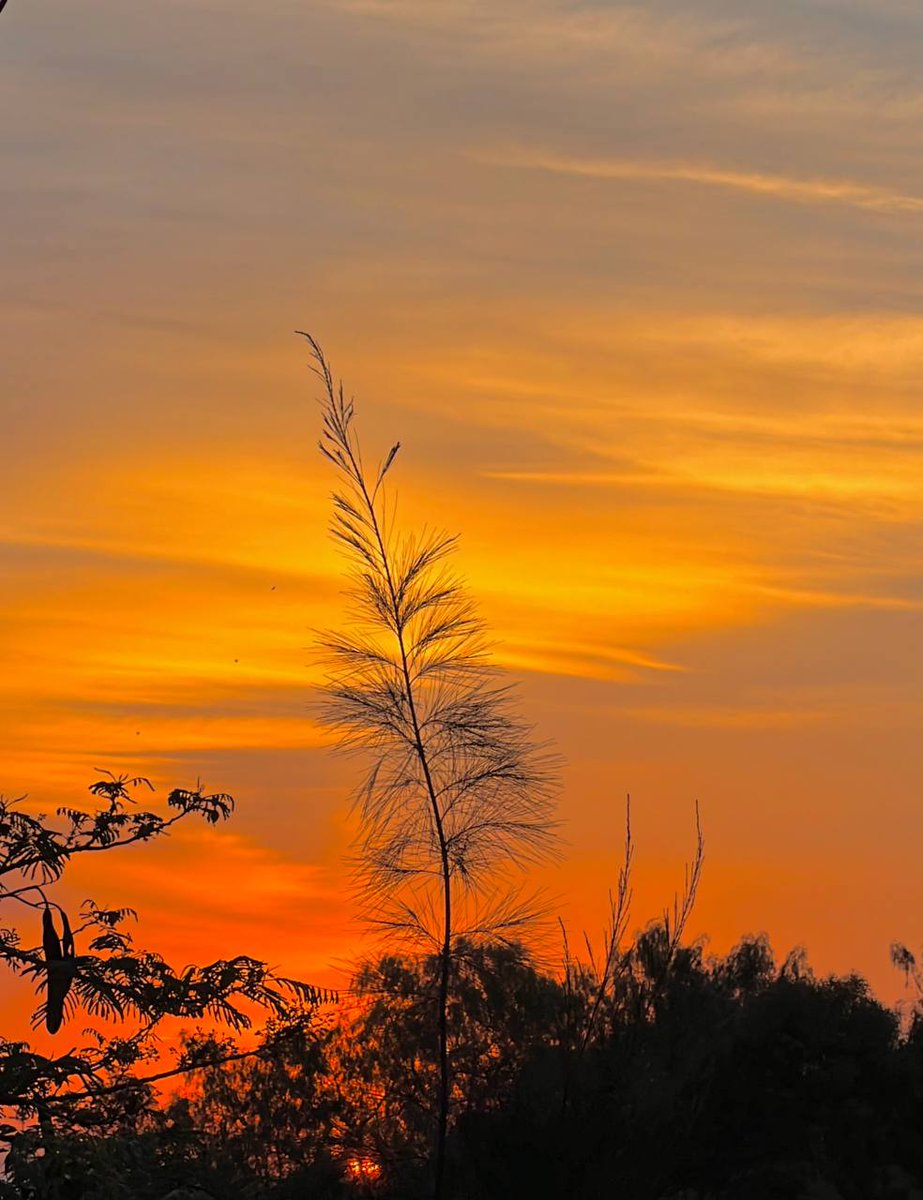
{"x":638,"y":288}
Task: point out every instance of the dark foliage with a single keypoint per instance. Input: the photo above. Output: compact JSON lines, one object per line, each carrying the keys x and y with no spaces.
{"x":738,"y":1079}
{"x":729,"y":1079}
{"x":53,"y":1107}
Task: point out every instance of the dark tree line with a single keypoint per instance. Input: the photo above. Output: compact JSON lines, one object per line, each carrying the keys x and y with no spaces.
{"x":730,"y":1077}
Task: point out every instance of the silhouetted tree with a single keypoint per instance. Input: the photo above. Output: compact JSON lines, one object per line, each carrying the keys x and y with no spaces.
{"x":456,"y":792}
{"x":724,"y":1078}
{"x":718,"y":1078}
{"x":269,"y":1117}
{"x":106,"y":976}
{"x":386,"y":1057}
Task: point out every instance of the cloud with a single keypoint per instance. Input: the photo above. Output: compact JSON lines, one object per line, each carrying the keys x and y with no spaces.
{"x":214,"y":892}
{"x":582,"y":660}
{"x":774,"y":186}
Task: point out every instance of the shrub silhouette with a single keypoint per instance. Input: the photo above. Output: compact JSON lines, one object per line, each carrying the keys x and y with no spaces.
{"x":746,"y":1078}
{"x":93,"y":966}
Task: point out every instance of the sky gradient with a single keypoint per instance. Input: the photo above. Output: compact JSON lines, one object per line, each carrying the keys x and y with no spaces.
{"x":638,"y":286}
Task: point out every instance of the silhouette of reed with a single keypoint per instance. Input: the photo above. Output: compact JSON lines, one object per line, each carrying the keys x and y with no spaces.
{"x":456,"y":794}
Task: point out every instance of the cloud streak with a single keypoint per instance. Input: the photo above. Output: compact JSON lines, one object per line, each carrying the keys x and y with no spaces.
{"x":786,"y":188}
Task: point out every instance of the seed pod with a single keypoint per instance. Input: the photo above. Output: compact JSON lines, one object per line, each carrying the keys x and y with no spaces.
{"x":51,"y":943}
{"x":59,"y":967}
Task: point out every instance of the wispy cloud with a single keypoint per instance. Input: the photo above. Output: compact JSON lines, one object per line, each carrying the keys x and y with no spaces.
{"x":583,"y":660}
{"x":780,"y":187}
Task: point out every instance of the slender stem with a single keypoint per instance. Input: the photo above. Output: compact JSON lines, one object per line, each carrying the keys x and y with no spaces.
{"x":142,"y":1080}
{"x":445,"y":957}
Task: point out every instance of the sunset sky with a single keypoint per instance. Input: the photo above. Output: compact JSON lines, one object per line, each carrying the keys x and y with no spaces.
{"x":639,"y":288}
